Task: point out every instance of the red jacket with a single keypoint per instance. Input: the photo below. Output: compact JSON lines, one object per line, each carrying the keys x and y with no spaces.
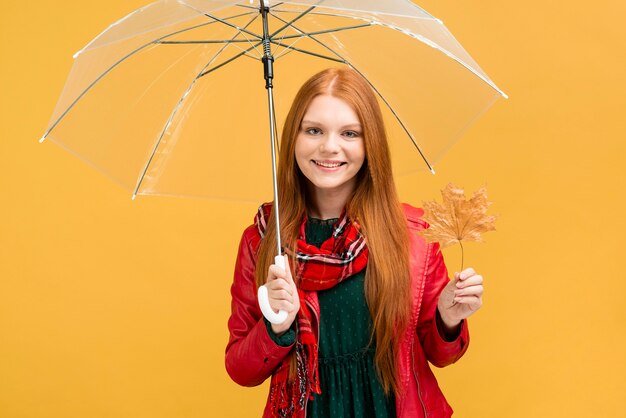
{"x":252,"y":356}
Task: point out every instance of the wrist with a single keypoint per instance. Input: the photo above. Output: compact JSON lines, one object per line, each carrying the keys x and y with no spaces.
{"x":449,"y":326}
{"x":281,"y":329}
{"x":282,"y":337}
{"x":278,"y":330}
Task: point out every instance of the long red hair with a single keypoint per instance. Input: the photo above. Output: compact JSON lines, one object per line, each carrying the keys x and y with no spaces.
{"x":373,"y":204}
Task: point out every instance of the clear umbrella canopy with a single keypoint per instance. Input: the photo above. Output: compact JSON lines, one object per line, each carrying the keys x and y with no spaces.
{"x":170,"y":100}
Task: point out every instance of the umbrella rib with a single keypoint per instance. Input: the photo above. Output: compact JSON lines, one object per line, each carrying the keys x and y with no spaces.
{"x":240,"y":29}
{"x":406,"y":130}
{"x":180,"y":101}
{"x":221,"y":41}
{"x":287,"y":24}
{"x":250,"y":42}
{"x":93,"y":83}
{"x":303,"y":35}
{"x":325,"y":31}
{"x":377,"y":92}
{"x":245,"y":6}
{"x":421,"y":39}
{"x":293,"y":48}
{"x":230,"y":60}
{"x":430,"y":17}
{"x":244,"y":52}
{"x":424,"y":40}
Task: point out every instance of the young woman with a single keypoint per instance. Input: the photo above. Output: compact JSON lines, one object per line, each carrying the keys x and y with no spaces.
{"x":369,"y":302}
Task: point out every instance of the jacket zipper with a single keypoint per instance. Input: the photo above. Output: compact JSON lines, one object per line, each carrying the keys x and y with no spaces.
{"x":419,"y":392}
{"x":306,"y":401}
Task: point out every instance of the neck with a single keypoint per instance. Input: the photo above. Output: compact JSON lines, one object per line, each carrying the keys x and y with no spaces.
{"x":328,"y":204}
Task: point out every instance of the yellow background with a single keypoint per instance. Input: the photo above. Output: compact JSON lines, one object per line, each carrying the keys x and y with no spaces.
{"x":115,"y":308}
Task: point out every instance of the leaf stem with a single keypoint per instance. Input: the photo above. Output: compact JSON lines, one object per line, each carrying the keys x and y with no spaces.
{"x":461,"y":244}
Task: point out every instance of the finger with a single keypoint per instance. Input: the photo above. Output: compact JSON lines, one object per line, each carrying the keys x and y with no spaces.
{"x":287,"y":266}
{"x":288,"y":270}
{"x":279,"y":284}
{"x":474,"y":302}
{"x":468,"y":272}
{"x":276,"y":272}
{"x":278,"y":305}
{"x":476,"y":290}
{"x":281,"y":294}
{"x":470,"y":281}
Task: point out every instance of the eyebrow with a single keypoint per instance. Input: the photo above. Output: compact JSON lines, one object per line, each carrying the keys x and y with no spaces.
{"x":351,"y":125}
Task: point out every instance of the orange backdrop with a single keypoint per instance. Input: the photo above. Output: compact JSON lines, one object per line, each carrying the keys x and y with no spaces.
{"x":112,"y":307}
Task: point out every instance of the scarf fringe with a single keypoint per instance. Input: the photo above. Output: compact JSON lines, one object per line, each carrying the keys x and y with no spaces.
{"x":288,"y":396}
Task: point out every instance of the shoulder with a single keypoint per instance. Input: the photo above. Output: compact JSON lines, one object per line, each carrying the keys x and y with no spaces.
{"x":252,"y":234}
{"x":414,"y":216}
{"x":251,"y":239}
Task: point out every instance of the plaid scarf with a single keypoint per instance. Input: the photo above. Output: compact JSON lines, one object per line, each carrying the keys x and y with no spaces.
{"x":339,"y":257}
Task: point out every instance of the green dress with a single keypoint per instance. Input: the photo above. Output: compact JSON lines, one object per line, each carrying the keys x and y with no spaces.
{"x":348,"y":379}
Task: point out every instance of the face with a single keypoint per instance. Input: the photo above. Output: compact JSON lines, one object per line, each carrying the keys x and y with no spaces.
{"x":329,"y":148}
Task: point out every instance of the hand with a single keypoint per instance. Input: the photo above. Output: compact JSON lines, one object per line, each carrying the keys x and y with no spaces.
{"x":461,"y":297}
{"x":282,"y":294}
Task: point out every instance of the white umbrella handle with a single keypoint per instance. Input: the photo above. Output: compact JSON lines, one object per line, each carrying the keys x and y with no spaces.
{"x":264,"y":301}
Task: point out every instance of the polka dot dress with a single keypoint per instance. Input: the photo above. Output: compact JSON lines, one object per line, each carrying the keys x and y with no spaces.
{"x":348,"y":379}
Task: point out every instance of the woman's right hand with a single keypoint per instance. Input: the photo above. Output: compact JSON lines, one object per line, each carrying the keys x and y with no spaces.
{"x":283,"y":294}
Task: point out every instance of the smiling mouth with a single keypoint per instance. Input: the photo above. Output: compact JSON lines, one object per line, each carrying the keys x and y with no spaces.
{"x":328,"y":165}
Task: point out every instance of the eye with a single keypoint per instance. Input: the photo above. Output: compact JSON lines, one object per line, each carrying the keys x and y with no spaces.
{"x":312,"y":131}
{"x":351,"y":134}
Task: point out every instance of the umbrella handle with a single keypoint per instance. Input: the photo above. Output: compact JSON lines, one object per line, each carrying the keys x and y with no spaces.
{"x":264,"y":301}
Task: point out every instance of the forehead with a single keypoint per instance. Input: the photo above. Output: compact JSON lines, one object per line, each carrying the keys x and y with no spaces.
{"x":329,"y":109}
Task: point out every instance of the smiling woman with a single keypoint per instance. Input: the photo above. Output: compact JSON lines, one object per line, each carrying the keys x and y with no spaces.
{"x":329,"y":153}
{"x":368,"y":301}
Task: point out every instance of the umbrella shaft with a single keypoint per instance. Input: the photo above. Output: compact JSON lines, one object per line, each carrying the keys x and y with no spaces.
{"x":268,"y":70}
{"x":270,"y":99}
{"x":268,"y":59}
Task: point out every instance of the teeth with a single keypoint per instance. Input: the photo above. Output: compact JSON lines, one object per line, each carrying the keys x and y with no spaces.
{"x":328,"y":165}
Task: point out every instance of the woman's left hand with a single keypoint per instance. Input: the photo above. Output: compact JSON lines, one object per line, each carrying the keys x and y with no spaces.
{"x":461,"y":297}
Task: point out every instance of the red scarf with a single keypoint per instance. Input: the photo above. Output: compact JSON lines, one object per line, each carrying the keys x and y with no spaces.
{"x":339,"y":257}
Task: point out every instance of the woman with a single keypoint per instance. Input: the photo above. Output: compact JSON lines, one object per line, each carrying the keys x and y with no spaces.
{"x":369,"y":302}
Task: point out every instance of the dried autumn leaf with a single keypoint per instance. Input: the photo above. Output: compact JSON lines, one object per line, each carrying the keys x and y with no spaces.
{"x":457,"y":219}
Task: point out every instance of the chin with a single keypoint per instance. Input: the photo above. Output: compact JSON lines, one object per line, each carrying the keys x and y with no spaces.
{"x":337,"y":184}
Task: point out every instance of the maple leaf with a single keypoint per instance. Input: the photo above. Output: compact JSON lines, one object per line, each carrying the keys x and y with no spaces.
{"x":457,"y":219}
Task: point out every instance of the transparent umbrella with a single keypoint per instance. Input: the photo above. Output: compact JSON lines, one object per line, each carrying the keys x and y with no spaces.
{"x":156,"y":100}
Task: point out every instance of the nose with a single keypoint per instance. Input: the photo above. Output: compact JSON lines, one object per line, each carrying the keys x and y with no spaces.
{"x":329,"y":144}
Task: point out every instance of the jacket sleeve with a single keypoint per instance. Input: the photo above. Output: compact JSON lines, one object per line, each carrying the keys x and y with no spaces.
{"x":439,"y":351}
{"x":251,"y":354}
